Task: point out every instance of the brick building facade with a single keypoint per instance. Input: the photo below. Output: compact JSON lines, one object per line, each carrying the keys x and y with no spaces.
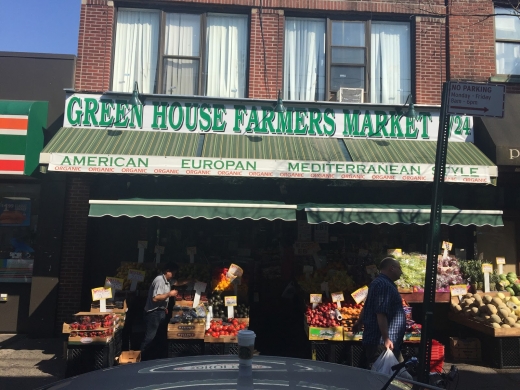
{"x":446,"y":42}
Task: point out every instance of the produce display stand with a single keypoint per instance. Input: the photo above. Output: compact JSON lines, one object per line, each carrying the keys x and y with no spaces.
{"x":501,"y":346}
{"x":418,"y":297}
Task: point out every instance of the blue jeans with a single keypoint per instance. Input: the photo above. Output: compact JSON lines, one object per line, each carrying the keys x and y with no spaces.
{"x":152,"y":321}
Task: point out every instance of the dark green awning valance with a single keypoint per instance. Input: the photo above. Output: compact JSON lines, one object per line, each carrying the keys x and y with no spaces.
{"x":193,"y":208}
{"x":394,"y":214}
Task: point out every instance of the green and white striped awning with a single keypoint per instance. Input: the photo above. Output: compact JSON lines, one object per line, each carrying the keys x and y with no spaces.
{"x":397,"y":214}
{"x":193,"y":208}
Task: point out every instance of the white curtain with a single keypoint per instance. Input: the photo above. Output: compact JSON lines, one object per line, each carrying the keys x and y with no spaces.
{"x":135,"y":57}
{"x":390,"y":68}
{"x":304,"y":59}
{"x":226,"y":43}
{"x":181,"y":76}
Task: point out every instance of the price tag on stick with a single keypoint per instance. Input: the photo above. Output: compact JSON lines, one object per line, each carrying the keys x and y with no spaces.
{"x":135,"y":276}
{"x":141,"y":245}
{"x":338,"y":298}
{"x":500,"y":262}
{"x":101,"y":294}
{"x":230,"y":302}
{"x":325,"y":288}
{"x":487,"y":269}
{"x":458,"y":290}
{"x":360,"y":294}
{"x":199,"y":288}
{"x":192,"y":251}
{"x":159,"y":250}
{"x":315,"y":299}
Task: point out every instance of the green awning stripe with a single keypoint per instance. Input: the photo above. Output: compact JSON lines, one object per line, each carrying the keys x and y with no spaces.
{"x":144,"y":143}
{"x":13,"y":144}
{"x":192,"y":209}
{"x":272,"y":148}
{"x":398,"y":214}
{"x":419,"y":152}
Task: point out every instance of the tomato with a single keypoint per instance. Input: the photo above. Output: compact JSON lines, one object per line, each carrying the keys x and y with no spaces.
{"x":214,"y":334}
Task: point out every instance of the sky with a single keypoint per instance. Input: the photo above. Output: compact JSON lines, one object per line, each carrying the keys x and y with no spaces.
{"x":39,"y":26}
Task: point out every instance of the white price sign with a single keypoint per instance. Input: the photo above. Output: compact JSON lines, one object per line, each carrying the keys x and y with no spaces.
{"x":458,"y":290}
{"x":337,"y":297}
{"x":360,"y":294}
{"x":230,"y":301}
{"x":501,"y":260}
{"x":101,"y":293}
{"x":316,"y":298}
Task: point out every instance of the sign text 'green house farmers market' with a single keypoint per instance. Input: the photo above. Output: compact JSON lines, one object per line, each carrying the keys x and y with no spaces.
{"x":198,"y":166}
{"x":204,"y":115}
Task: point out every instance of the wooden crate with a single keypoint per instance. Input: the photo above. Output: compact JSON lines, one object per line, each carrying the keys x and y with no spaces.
{"x":484,"y":328}
{"x":221,"y":339}
{"x":186,"y":331}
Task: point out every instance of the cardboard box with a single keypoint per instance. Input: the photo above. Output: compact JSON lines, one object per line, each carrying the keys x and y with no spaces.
{"x":461,"y":354}
{"x":465,"y":349}
{"x":89,"y":340}
{"x":128,"y":357}
{"x":468,"y":343}
{"x":333,"y":333}
{"x":66,"y":328}
{"x":186,"y":331}
{"x":221,"y":339}
{"x":351,"y":336}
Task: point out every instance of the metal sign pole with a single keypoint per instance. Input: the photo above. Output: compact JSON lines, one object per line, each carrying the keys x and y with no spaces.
{"x":434,"y":239}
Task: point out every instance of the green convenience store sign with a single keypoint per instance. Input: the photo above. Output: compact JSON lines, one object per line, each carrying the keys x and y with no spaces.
{"x":197,"y":166}
{"x":304,"y":119}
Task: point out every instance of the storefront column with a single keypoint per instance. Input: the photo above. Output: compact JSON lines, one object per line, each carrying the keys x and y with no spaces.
{"x":266,"y":53}
{"x":73,"y":248}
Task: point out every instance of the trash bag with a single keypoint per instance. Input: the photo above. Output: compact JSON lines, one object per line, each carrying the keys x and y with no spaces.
{"x":384,"y":363}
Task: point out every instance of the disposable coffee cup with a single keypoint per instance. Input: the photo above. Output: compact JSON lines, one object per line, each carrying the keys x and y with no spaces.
{"x":246,"y":345}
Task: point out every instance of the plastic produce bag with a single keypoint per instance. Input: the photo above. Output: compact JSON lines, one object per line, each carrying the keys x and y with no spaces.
{"x":384,"y":363}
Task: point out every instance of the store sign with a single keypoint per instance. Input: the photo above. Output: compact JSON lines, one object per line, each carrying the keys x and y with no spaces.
{"x":15,"y":212}
{"x":203,"y":115}
{"x":99,"y":293}
{"x":199,"y":166}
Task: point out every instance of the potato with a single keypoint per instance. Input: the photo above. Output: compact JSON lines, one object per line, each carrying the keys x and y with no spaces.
{"x":487,"y":299}
{"x":504,"y":313}
{"x":477,"y":297}
{"x":505,"y":326}
{"x":496,"y":319}
{"x":496,"y":301}
{"x":491,"y":309}
{"x":501,"y":295}
{"x":495,"y":325}
{"x":474,"y":311}
{"x":509,"y":321}
{"x":516,"y":326}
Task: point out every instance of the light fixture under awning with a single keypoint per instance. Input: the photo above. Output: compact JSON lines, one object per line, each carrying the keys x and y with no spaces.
{"x":394,"y":214}
{"x":193,"y":208}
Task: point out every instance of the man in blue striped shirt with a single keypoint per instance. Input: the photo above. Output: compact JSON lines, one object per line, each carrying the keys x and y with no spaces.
{"x":383,"y":315}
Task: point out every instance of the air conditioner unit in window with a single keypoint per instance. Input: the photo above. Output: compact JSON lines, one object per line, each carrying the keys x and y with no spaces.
{"x":351,"y":95}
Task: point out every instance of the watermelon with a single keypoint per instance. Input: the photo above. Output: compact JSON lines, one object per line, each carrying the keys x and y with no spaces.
{"x":512,"y":275}
{"x":511,"y":280}
{"x":502,"y":276}
{"x":510,"y":291}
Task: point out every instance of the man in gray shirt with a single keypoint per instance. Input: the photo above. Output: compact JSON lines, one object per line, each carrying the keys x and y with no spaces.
{"x":156,"y":307}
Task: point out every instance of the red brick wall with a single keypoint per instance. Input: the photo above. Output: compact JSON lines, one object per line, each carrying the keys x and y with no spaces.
{"x":430,"y":36}
{"x":73,"y":248}
{"x":95,"y":46}
{"x":472,"y":40}
{"x":266,"y":53}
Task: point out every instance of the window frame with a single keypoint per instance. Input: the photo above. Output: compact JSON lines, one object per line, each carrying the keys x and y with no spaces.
{"x":203,"y":13}
{"x":201,"y":89}
{"x":332,"y":96}
{"x":504,"y":40}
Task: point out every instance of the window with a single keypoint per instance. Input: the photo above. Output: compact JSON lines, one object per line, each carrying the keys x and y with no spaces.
{"x":198,"y":55}
{"x":507,"y":35}
{"x":372,"y":56}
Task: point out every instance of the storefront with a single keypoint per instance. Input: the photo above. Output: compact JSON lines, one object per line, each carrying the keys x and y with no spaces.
{"x":318,"y":187}
{"x":21,"y":140}
{"x":498,"y":138}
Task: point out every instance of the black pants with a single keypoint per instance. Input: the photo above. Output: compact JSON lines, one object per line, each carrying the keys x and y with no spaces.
{"x":154,"y":322}
{"x":372,"y":352}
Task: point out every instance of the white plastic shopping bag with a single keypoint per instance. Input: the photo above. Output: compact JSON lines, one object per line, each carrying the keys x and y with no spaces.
{"x":384,"y":364}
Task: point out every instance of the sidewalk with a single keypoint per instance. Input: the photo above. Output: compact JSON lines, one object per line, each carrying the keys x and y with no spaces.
{"x":30,"y":363}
